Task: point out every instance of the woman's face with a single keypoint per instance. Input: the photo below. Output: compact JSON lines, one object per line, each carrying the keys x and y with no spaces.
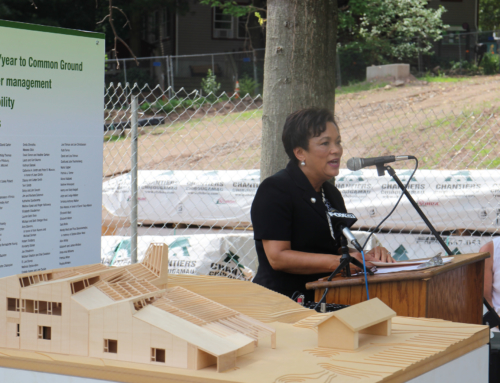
{"x":323,"y":155}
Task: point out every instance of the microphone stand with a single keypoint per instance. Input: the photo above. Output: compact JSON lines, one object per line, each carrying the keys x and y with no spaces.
{"x":381,"y":172}
{"x":345,"y":260}
{"x":492,"y":315}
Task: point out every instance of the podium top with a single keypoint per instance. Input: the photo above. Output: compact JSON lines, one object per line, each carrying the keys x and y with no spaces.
{"x":459,"y":260}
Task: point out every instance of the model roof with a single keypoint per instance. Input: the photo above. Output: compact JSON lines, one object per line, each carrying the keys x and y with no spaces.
{"x":355,"y":317}
{"x":203,"y":338}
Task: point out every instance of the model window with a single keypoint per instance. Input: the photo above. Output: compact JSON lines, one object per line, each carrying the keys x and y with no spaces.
{"x":30,"y":306}
{"x":158,"y":355}
{"x":111,"y":346}
{"x":12,"y":304}
{"x":56,"y":308}
{"x":44,"y":332}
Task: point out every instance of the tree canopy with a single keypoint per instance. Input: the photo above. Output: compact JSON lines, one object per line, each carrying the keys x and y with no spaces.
{"x":489,"y":15}
{"x":408,"y":25}
{"x":86,"y":14}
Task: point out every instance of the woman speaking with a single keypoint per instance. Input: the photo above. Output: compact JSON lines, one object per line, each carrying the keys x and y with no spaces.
{"x":292,"y":235}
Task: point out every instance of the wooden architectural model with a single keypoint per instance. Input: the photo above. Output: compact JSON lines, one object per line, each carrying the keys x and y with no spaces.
{"x":126,"y":314}
{"x":341,"y":329}
{"x":126,"y":325}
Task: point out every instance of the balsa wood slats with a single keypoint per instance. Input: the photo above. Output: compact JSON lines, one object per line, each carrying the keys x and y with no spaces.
{"x":247,"y":298}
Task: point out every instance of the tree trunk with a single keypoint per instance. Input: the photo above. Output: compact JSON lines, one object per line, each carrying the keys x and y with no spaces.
{"x":299,"y":70}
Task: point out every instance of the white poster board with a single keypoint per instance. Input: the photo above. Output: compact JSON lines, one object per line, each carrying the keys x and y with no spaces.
{"x":51,"y":122}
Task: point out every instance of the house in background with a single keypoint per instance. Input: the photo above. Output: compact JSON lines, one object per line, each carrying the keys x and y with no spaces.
{"x":191,"y":38}
{"x":462,"y":16}
{"x":197,"y":40}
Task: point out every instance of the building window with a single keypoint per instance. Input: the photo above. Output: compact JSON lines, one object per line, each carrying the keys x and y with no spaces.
{"x":111,"y":346}
{"x":165,"y":23}
{"x":242,"y":27}
{"x":44,"y":332}
{"x":158,"y":355}
{"x":18,"y":329}
{"x":222,"y":24}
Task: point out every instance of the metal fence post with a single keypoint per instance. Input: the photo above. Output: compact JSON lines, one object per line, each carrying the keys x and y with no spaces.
{"x":460,"y":53}
{"x":169,"y":80}
{"x":255,"y":78}
{"x":171,"y":74}
{"x":213,"y":68}
{"x":133,"y":181}
{"x":125,"y":71}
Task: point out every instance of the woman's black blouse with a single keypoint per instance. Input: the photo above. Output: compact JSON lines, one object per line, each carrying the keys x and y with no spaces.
{"x":287,"y":208}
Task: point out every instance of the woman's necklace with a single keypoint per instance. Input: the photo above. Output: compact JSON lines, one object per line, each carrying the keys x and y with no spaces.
{"x":328,"y":209}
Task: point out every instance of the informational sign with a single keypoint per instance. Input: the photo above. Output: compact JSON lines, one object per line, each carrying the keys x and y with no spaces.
{"x":51,"y":118}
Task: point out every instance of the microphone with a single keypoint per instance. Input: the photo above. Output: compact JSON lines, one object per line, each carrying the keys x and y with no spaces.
{"x":356,"y":163}
{"x":345,"y":221}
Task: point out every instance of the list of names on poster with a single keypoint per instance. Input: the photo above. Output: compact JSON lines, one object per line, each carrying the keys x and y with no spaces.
{"x":7,"y":201}
{"x":37,"y":217}
{"x":72,"y":203}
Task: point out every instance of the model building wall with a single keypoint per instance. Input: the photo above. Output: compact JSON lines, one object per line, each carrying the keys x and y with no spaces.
{"x":132,"y":339}
{"x":122,"y":314}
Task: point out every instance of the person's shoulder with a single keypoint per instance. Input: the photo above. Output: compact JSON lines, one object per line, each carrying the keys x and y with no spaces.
{"x":280,"y":180}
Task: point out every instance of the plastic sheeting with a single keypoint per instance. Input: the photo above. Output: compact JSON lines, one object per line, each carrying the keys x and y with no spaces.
{"x":450,"y":199}
{"x":224,"y":255}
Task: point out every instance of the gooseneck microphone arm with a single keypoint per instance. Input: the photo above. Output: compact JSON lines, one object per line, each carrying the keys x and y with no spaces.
{"x":390,"y":170}
{"x":352,"y":239}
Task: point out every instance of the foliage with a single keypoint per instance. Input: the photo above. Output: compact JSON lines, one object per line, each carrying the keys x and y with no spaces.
{"x":231,"y":7}
{"x":464,"y":67}
{"x":248,"y":86}
{"x":409,"y":25}
{"x":490,"y":64}
{"x":209,"y":83}
{"x":85,"y":14}
{"x":354,"y":57}
{"x":440,"y":78}
{"x":489,"y":14}
{"x":179,"y":105}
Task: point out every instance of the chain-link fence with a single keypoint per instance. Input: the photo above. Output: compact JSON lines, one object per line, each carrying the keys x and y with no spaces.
{"x":199,"y":157}
{"x":187,"y":71}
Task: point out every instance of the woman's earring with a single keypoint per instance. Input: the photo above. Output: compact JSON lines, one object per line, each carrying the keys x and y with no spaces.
{"x":303,"y":163}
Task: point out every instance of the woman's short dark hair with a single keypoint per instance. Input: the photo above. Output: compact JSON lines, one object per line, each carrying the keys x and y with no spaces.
{"x":301,"y":126}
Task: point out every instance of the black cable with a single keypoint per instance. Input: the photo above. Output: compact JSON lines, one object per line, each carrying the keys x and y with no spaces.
{"x":395,"y":206}
{"x":376,"y":228}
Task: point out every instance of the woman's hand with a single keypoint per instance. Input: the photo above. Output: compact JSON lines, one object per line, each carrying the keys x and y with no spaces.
{"x":377,"y":254}
{"x":380,"y":254}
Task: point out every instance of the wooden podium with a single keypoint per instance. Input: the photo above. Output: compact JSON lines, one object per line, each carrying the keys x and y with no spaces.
{"x":451,"y":292}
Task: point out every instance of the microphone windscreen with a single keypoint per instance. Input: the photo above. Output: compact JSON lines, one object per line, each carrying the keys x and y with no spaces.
{"x":354,"y":163}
